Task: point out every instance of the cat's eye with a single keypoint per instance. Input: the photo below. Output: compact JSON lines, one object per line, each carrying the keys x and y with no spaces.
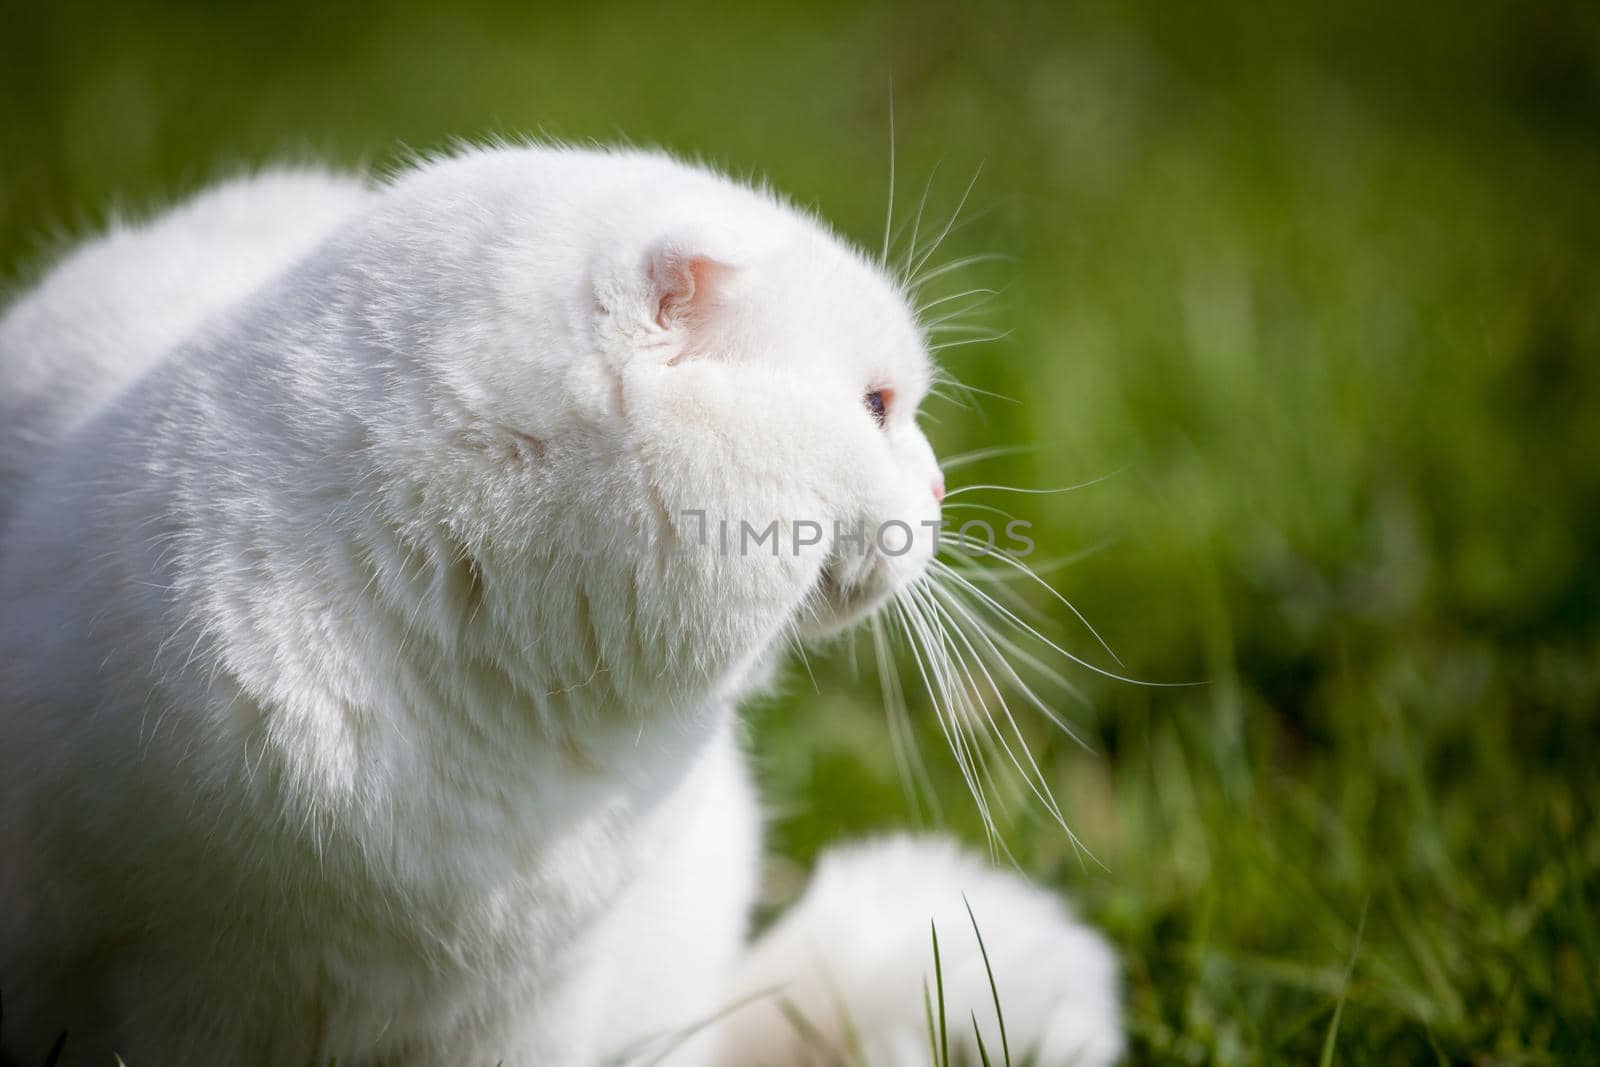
{"x":877,"y":402}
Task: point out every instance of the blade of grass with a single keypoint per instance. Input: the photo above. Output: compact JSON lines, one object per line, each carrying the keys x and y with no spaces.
{"x":1332,"y":1039}
{"x":55,"y":1051}
{"x":994,"y":990}
{"x":983,"y":1053}
{"x":938,"y":981}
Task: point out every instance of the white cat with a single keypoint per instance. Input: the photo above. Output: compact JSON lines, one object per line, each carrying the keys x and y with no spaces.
{"x":369,"y":652}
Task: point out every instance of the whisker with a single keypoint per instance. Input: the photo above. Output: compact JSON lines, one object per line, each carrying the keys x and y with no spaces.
{"x":1005,"y":593}
{"x":951,"y":595}
{"x":922,"y":655}
{"x":1055,"y":564}
{"x":800,"y":646}
{"x":976,"y":297}
{"x":1033,"y":492}
{"x":942,"y":345}
{"x":969,"y":505}
{"x":962,"y":401}
{"x":996,"y":606}
{"x":978,"y":455}
{"x":1042,"y":788}
{"x":957,"y":313}
{"x":944,"y":377}
{"x":888,"y":215}
{"x":956,"y":699}
{"x":1026,"y":571}
{"x":954,"y":215}
{"x":990,"y":739}
{"x":972,"y":571}
{"x":949,"y":325}
{"x":974,"y":390}
{"x":976,"y":291}
{"x":908,"y":758}
{"x":917,"y":283}
{"x":916,"y":225}
{"x":1036,"y":782}
{"x":971,"y":219}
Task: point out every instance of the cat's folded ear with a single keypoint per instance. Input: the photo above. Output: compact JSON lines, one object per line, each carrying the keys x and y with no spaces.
{"x":675,"y":289}
{"x":690,"y":276}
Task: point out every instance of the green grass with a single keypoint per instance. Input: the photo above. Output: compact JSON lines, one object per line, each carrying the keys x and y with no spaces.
{"x":1321,"y":287}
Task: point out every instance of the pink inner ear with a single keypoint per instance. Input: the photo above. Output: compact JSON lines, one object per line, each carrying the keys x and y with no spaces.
{"x":685,"y":285}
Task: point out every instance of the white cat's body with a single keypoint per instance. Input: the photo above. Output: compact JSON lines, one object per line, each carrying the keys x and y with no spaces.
{"x":344,"y":710}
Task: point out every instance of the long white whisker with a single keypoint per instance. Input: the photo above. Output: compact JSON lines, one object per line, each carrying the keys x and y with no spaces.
{"x":986,"y":339}
{"x":973,"y":572}
{"x":975,"y":629}
{"x":908,"y":758}
{"x":975,"y":391}
{"x":976,"y":291}
{"x":974,"y":709}
{"x":958,"y":701}
{"x":1033,"y":492}
{"x":996,"y":642}
{"x":996,"y":606}
{"x":1036,"y":781}
{"x":888,"y":215}
{"x":976,"y":303}
{"x":1052,"y":565}
{"x":961,"y":263}
{"x":1024,"y":569}
{"x":958,"y":399}
{"x":976,"y":704}
{"x":800,"y":647}
{"x":921,"y":647}
{"x":978,"y":455}
{"x":916,"y":226}
{"x":949,"y":327}
{"x":968,"y":505}
{"x":954,"y":215}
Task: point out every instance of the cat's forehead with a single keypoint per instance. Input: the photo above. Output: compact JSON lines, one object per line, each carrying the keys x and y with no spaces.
{"x":817,"y":300}
{"x":842,"y":311}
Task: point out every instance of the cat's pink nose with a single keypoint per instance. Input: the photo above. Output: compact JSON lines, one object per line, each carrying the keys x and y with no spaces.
{"x":938,"y":490}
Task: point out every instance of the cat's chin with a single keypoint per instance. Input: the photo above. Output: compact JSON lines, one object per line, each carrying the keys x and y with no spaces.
{"x":835,"y":606}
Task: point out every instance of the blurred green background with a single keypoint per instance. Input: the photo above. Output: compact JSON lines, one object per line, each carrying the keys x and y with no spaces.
{"x":1318,"y":288}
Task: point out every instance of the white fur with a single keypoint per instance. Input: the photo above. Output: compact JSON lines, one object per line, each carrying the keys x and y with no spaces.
{"x":342,"y":711}
{"x":855,"y":953}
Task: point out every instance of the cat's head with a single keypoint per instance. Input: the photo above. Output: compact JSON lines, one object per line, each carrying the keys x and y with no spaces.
{"x":779,"y":374}
{"x":678,"y":395}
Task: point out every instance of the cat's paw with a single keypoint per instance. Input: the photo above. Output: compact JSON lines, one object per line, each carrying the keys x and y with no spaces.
{"x":846,"y":967}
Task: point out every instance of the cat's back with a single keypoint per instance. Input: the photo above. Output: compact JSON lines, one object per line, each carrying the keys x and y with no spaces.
{"x":114,"y":305}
